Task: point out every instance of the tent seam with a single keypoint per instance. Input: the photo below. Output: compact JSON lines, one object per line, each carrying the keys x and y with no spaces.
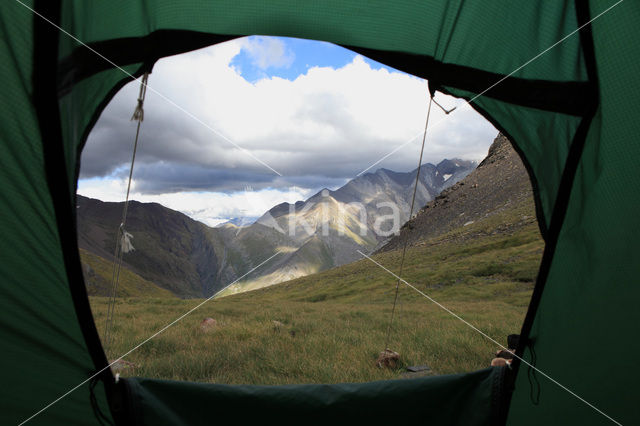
{"x":45,"y":101}
{"x":569,"y":97}
{"x":565,"y":189}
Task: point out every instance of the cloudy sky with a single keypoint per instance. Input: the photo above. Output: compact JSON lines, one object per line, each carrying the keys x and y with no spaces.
{"x":233,"y":129}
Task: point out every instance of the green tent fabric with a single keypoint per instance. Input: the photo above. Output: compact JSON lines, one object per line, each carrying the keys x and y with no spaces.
{"x":572,"y":114}
{"x":465,"y":399}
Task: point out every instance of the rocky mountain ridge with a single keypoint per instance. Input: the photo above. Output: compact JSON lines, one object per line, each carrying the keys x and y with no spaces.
{"x":499,"y":182}
{"x":193,"y":260}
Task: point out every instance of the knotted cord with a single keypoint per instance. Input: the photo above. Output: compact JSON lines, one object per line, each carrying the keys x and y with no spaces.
{"x":123,"y":243}
{"x":405,"y":242}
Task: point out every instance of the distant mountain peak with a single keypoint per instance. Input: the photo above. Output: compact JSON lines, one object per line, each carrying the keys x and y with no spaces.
{"x":239,"y":221}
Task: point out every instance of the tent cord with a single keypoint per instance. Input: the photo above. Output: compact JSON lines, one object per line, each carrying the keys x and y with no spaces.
{"x":405,"y":242}
{"x":122,"y":237}
{"x":446,"y":111}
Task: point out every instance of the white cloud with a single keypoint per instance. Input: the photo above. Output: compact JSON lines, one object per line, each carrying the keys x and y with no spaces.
{"x":268,"y":52}
{"x":355,"y":112}
{"x":211,"y":208}
{"x":329,"y":123}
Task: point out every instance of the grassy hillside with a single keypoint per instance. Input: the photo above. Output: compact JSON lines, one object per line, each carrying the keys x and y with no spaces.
{"x":314,"y":256}
{"x":333,"y":324}
{"x":98,"y":273}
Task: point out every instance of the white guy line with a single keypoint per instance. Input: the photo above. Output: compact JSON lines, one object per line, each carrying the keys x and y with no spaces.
{"x":496,"y":83}
{"x":212,"y":129}
{"x":146,"y":340}
{"x":490,"y":338}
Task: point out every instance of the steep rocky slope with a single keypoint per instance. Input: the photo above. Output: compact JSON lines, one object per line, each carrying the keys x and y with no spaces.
{"x":499,"y":182}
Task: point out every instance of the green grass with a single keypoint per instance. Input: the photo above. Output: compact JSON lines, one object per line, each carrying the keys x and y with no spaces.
{"x":99,"y":271}
{"x":335,"y":322}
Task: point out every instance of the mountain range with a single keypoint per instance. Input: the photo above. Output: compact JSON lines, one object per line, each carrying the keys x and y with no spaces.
{"x":191,"y":259}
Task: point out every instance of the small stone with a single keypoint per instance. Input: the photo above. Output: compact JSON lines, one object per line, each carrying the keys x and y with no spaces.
{"x":500,"y":362}
{"x":208,"y":323}
{"x":388,"y":359}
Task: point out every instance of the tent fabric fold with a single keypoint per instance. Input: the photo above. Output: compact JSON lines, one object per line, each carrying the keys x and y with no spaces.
{"x":465,"y":399}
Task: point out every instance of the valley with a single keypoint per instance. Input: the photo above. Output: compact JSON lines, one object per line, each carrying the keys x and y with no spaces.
{"x":191,"y":259}
{"x":474,"y":248}
{"x":334,"y":323}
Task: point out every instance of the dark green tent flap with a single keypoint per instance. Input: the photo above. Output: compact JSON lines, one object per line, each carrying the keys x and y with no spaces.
{"x":572,"y":113}
{"x":44,"y":353}
{"x":589,"y":305}
{"x":464,"y":399}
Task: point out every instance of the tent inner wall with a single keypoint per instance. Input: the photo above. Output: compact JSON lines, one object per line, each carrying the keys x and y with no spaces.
{"x":452,"y":33}
{"x":456,"y":32}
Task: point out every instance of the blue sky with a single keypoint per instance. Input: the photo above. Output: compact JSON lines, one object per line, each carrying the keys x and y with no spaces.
{"x":257,"y":121}
{"x":299,"y":55}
